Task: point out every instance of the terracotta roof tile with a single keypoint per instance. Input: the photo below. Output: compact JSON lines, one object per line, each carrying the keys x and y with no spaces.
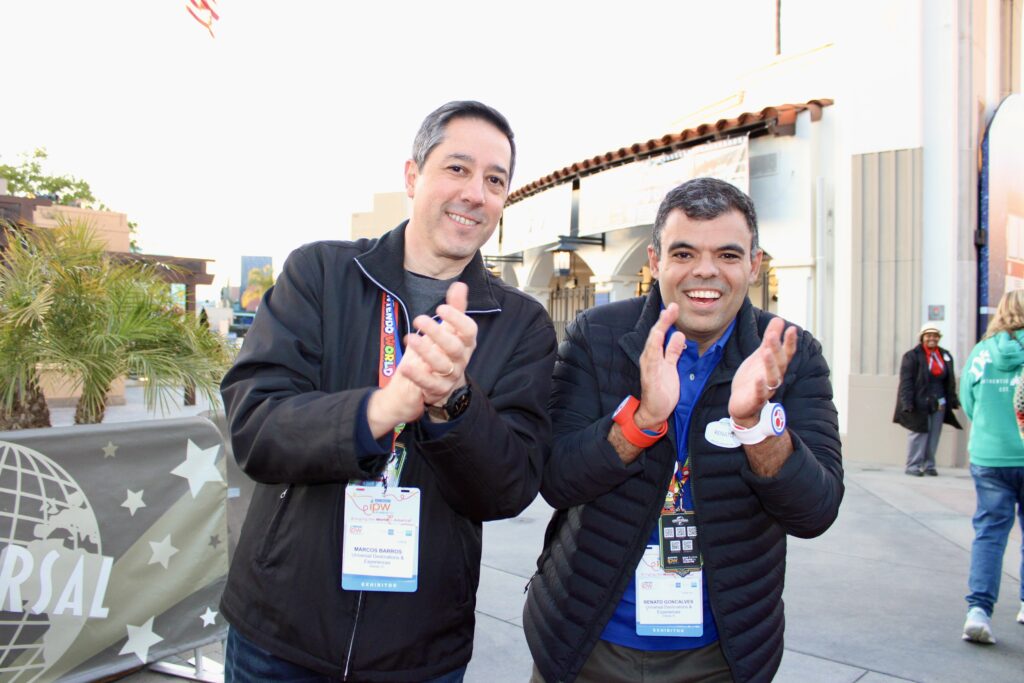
{"x":780,"y":116}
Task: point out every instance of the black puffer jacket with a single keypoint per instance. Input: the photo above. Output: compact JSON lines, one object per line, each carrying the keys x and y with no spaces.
{"x":605,"y":510}
{"x":293,"y":399}
{"x":912,"y":409}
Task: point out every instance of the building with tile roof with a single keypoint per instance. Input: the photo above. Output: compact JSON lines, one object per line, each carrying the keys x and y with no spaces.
{"x":861,"y":152}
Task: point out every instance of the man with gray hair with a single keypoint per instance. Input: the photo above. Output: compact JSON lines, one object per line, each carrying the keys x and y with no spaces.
{"x":692,"y":433}
{"x":380,"y":436}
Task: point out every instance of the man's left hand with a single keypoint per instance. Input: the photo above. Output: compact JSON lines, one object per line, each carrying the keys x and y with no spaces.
{"x":761,"y":373}
{"x":439,"y":354}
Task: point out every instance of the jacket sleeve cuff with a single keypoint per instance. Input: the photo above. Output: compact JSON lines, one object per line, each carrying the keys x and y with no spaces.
{"x":369,"y":449}
{"x":436,"y":430}
{"x":789,"y":477}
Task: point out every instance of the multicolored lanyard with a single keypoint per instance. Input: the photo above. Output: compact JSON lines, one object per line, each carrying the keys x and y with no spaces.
{"x":679,"y":551}
{"x":390,"y":348}
{"x":390,"y":357}
{"x":674,"y":497}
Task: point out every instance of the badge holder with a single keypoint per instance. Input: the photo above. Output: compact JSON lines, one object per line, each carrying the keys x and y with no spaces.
{"x":678,"y":547}
{"x":380,"y":545}
{"x":667,"y":604}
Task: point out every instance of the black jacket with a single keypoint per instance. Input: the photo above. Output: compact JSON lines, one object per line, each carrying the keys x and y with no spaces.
{"x":292,"y":400}
{"x":912,"y":409}
{"x":605,"y":510}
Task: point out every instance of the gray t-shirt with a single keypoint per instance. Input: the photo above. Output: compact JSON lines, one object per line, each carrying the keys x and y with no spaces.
{"x":425,"y":293}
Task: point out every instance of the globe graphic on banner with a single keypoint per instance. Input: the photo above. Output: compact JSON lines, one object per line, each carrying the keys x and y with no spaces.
{"x":43,"y":514}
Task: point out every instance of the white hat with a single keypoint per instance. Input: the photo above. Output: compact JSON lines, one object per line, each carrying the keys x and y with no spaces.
{"x":928,"y":327}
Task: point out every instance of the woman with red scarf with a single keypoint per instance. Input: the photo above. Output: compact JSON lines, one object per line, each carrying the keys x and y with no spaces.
{"x":926,"y":399}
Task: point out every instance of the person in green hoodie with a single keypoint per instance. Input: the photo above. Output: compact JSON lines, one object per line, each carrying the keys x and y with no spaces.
{"x":997,"y":458}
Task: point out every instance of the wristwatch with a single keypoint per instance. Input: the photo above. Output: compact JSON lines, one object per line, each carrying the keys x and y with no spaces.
{"x":455,"y":406}
{"x":771,"y":423}
{"x":624,"y":417}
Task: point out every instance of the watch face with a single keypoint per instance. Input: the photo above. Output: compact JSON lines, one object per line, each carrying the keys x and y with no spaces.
{"x":778,"y":419}
{"x":457,"y":403}
{"x":621,"y":406}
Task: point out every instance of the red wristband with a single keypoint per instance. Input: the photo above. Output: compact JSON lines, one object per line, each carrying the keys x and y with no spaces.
{"x":641,"y":438}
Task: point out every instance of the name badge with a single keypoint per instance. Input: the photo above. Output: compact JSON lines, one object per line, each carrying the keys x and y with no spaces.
{"x":381,"y":536}
{"x":720,"y":434}
{"x":667,"y":604}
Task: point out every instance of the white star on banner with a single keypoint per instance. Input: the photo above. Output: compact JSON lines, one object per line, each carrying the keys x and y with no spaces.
{"x":109,"y":450}
{"x":209,"y":617}
{"x":134,"y":501}
{"x":199,"y":467}
{"x":162,"y":551}
{"x":140,"y":639}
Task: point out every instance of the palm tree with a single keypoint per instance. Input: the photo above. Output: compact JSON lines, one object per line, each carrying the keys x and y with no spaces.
{"x":24,"y":302}
{"x":67,"y":305}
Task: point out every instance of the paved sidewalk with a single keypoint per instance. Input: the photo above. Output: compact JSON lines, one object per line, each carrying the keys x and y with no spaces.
{"x":878,"y":598}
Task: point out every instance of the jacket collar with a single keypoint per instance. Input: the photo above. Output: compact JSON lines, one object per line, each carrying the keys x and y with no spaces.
{"x":384,"y":264}
{"x":633,"y":342}
{"x":744,"y":340}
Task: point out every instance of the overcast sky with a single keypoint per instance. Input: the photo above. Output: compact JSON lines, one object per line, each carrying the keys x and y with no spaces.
{"x":272,"y":133}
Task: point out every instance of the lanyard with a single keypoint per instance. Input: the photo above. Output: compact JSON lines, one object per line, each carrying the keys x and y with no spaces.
{"x":390,"y":357}
{"x":677,"y":487}
{"x":390,"y":348}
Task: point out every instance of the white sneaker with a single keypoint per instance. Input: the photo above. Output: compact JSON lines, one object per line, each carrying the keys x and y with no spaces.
{"x":1020,"y":614}
{"x":978,"y":627}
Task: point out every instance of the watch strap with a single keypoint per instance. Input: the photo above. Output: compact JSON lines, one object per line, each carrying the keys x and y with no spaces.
{"x":624,"y":416}
{"x":772,"y":422}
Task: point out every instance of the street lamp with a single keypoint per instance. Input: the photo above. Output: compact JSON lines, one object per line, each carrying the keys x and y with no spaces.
{"x":563,"y":262}
{"x":562,"y":252}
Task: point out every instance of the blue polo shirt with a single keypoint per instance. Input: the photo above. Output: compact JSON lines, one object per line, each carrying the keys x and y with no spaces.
{"x":694,"y":372}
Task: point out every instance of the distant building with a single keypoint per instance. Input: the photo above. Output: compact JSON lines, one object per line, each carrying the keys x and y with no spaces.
{"x":389,"y":209}
{"x":229,"y":296}
{"x":865,"y":150}
{"x":253,"y":262}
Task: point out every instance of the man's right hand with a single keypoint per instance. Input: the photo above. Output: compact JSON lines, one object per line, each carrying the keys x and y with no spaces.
{"x":659,"y":376}
{"x":401,"y":401}
{"x":659,"y":382}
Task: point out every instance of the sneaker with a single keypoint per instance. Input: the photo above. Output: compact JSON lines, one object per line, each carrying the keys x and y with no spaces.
{"x":915,"y":473}
{"x":978,"y":627}
{"x":1020,"y":614}
{"x":931,"y":473}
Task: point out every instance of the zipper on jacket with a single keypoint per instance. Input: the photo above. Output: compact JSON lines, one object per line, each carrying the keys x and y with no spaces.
{"x":405,"y":309}
{"x":352,"y":638}
{"x":726,"y":648}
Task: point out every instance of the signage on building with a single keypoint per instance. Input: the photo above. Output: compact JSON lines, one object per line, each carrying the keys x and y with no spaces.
{"x":629,"y":195}
{"x":1001,"y":205}
{"x":113,"y":546}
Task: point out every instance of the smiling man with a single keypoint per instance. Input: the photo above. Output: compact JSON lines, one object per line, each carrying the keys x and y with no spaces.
{"x":377,"y":458}
{"x":693,"y":432}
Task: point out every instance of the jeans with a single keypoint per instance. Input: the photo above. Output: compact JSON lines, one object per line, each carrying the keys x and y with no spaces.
{"x":1000,"y":498}
{"x":246,"y":662}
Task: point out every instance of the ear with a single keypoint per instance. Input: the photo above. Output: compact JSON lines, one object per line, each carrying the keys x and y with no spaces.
{"x":412,"y":173}
{"x":652,"y":261}
{"x":755,"y":266}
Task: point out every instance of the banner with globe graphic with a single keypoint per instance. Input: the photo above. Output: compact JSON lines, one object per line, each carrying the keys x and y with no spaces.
{"x":113,"y":547}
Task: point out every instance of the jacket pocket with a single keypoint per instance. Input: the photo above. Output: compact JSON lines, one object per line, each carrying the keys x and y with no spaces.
{"x":273,"y":530}
{"x":468,"y":576}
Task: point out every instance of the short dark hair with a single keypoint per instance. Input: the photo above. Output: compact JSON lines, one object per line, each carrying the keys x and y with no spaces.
{"x":705,"y":199}
{"x":431,"y":133}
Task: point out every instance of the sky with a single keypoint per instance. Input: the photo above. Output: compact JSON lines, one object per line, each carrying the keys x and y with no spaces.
{"x":272,"y":133}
